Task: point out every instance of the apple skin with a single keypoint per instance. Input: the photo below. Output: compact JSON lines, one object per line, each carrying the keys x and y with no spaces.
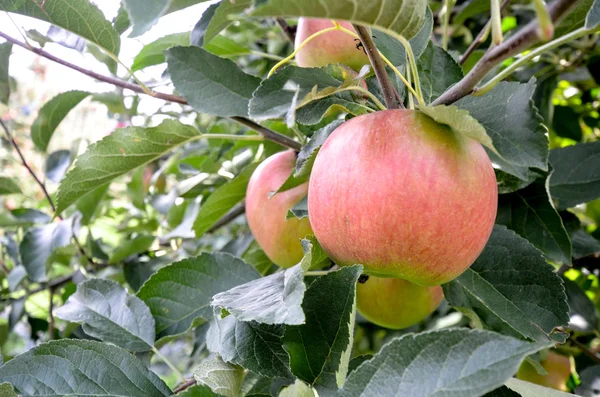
{"x":395,"y":303}
{"x":404,"y":196}
{"x":557,"y":366}
{"x":277,"y":236}
{"x":331,"y":47}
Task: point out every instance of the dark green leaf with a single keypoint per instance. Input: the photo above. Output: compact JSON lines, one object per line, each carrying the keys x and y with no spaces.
{"x":132,"y":146}
{"x":16,"y":277}
{"x":300,"y":209}
{"x":574,"y":19}
{"x":110,"y":314}
{"x":199,"y":31}
{"x":8,"y":186}
{"x":6,"y":390}
{"x":457,"y":362}
{"x":590,"y":381}
{"x":211,"y":84}
{"x":315,"y":256}
{"x":592,"y":18}
{"x":222,"y":378}
{"x":179,"y":294}
{"x":583,"y":243}
{"x":198,"y":391}
{"x":69,"y":15}
{"x":470,"y":9}
{"x":576,"y":176}
{"x":437,"y":71}
{"x":130,"y":247}
{"x":320,"y":349}
{"x":510,"y":288}
{"x":502,"y":392}
{"x":565,"y":123}
{"x":222,"y":17}
{"x":583,"y":313}
{"x":72,"y":367}
{"x":5,"y":51}
{"x":57,"y":165}
{"x":88,"y":203}
{"x":144,"y":14}
{"x":154,"y":53}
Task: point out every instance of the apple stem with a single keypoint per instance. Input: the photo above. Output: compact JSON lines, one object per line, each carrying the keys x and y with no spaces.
{"x":411,"y":101}
{"x":387,"y":88}
{"x":412,"y":67}
{"x":496,"y":19}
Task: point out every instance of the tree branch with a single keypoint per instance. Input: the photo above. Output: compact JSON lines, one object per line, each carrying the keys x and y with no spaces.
{"x":233,"y":213}
{"x":522,"y":40}
{"x":387,"y":88}
{"x":289,"y":31}
{"x":267,"y":133}
{"x":186,"y":385}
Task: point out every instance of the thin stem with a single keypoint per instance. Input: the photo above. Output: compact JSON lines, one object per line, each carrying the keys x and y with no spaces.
{"x":448,"y":5}
{"x":264,"y":131}
{"x":371,"y":96}
{"x":585,"y":349}
{"x":169,"y":364}
{"x":233,"y":213}
{"x":266,"y":55}
{"x":411,"y":98}
{"x":387,"y":88}
{"x":231,"y":137}
{"x":186,"y":385}
{"x":413,"y":67}
{"x":523,"y":60}
{"x":496,"y":20}
{"x":317,"y":273}
{"x":289,"y":31}
{"x":404,"y":80}
{"x":51,"y":315}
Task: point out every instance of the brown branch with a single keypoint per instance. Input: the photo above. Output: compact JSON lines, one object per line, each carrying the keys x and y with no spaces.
{"x":585,"y":349}
{"x":186,"y":385}
{"x":233,"y":213}
{"x":522,"y":40}
{"x":387,"y":88}
{"x":287,"y":30}
{"x":479,"y":39}
{"x":51,"y":315}
{"x":267,"y":133}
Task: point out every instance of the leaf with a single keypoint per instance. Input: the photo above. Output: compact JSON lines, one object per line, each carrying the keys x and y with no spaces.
{"x":461,"y":122}
{"x":583,"y":244}
{"x":513,"y":124}
{"x":222,"y":378}
{"x":315,"y":256}
{"x":320,"y":349}
{"x":144,"y":13}
{"x":179,"y":294}
{"x":511,"y":289}
{"x":222,"y":200}
{"x":221,"y":17}
{"x":298,"y":389}
{"x":225,"y":47}
{"x":576,"y":176}
{"x":396,"y":18}
{"x":592,"y":19}
{"x":449,"y":362}
{"x":527,"y":389}
{"x":8,"y":186}
{"x":199,"y":31}
{"x":16,"y":277}
{"x":309,"y":150}
{"x":574,"y":19}
{"x":57,"y":165}
{"x":115,"y":155}
{"x":583,"y":313}
{"x":211,"y":84}
{"x":88,"y":204}
{"x":78,"y":16}
{"x":23,"y":217}
{"x":437,"y":72}
{"x":130,"y":247}
{"x":6,"y":390}
{"x":71,"y":367}
{"x":38,"y":245}
{"x":5,"y":51}
{"x":502,"y":392}
{"x":531,"y":214}
{"x":66,"y":38}
{"x":274,"y":299}
{"x":300,"y":209}
{"x":197,"y":391}
{"x":110,"y":314}
{"x":565,"y":122}
{"x":153,"y":53}
{"x":590,"y":381}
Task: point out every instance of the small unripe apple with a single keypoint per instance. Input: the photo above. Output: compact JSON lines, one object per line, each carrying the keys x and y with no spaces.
{"x":404,"y":196}
{"x":557,"y":366}
{"x":395,"y":303}
{"x":330,"y":47}
{"x":277,"y":236}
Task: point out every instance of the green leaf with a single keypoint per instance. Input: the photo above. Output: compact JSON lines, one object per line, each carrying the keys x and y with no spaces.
{"x":23,"y":217}
{"x":91,"y":368}
{"x":51,"y":114}
{"x":115,"y":155}
{"x":211,"y":84}
{"x":153,"y":53}
{"x":502,"y":392}
{"x":300,"y":209}
{"x":298,"y":389}
{"x":470,"y":9}
{"x":198,"y":33}
{"x":565,"y":122}
{"x":576,"y":176}
{"x":274,"y":299}
{"x":461,"y":122}
{"x":315,"y":256}
{"x":449,"y":362}
{"x":396,"y":18}
{"x":78,"y":16}
{"x":516,"y":129}
{"x":531,"y":214}
{"x":6,"y":390}
{"x":592,"y":19}
{"x":583,"y":244}
{"x":320,"y":349}
{"x":179,"y":294}
{"x":198,"y":391}
{"x":590,"y":381}
{"x":574,"y":19}
{"x":144,"y":14}
{"x":88,"y":203}
{"x":225,"y":47}
{"x":583,"y":313}
{"x":57,"y":164}
{"x":222,"y":378}
{"x":222,"y":200}
{"x":437,"y":71}
{"x":221,"y":17}
{"x":527,"y":389}
{"x":511,"y":289}
{"x":8,"y":186}
{"x":129,"y":247}
{"x":5,"y":51}
{"x":110,"y":314}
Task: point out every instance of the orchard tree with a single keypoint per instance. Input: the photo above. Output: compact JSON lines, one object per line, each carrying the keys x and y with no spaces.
{"x":343,"y":198}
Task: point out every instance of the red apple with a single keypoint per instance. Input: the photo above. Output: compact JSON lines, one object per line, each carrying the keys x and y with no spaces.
{"x":557,"y":366}
{"x":330,"y":47}
{"x":404,"y":196}
{"x":277,"y":236}
{"x":396,"y":303}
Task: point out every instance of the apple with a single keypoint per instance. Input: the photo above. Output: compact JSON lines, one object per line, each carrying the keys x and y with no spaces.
{"x":277,"y":236}
{"x":402,"y":195}
{"x":331,"y":47}
{"x":557,"y":366}
{"x":396,"y":303}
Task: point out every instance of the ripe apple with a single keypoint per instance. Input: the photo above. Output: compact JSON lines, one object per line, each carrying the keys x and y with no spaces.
{"x":404,"y":196}
{"x":557,"y":366}
{"x":331,"y":47}
{"x":396,"y":303}
{"x":277,"y":236}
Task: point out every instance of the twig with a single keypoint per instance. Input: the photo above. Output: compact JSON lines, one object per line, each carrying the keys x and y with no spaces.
{"x":187,"y":384}
{"x":585,"y":349}
{"x":289,"y":31}
{"x":522,"y":40}
{"x":233,"y":213}
{"x":267,"y":133}
{"x":387,"y":88}
{"x":479,"y":39}
{"x":51,"y":315}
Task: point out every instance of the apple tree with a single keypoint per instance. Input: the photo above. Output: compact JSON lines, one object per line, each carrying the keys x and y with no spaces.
{"x":335,"y":198}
